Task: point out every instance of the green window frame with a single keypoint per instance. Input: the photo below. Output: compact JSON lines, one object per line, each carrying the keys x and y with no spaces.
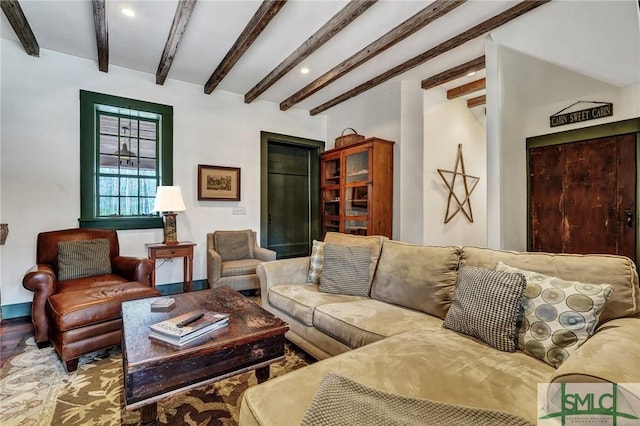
{"x":130,"y":118}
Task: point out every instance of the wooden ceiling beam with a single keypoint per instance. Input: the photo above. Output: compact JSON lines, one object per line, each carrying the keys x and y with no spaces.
{"x":421,"y":19}
{"x":332,"y":27}
{"x":267,"y":10}
{"x":454,"y":73}
{"x":474,"y":32}
{"x":477,"y":101}
{"x":20,"y":25}
{"x":102,"y":33}
{"x":178,"y":28}
{"x":465,"y":89}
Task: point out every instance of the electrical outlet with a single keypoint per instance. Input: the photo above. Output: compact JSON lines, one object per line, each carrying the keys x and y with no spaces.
{"x":238,"y":210}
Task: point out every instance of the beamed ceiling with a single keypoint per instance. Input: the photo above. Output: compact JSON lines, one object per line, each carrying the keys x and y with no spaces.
{"x":258,"y":49}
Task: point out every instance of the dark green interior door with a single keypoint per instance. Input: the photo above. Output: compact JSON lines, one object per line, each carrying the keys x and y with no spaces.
{"x":288,"y":204}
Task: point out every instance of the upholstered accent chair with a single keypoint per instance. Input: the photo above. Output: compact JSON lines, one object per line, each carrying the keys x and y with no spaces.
{"x":80,"y":281}
{"x":232,"y":259}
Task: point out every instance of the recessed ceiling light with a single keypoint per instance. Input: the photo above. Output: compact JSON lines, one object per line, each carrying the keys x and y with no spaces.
{"x":472,"y":73}
{"x":128,"y":12}
{"x":304,"y":70}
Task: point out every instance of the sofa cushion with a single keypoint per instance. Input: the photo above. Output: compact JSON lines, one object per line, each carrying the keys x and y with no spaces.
{"x":618,"y":271}
{"x":417,"y":277}
{"x":315,"y":262}
{"x":234,"y":245}
{"x":300,"y":300}
{"x":365,"y":321}
{"x":74,"y":309}
{"x":235,"y":268}
{"x":345,"y":270}
{"x":84,"y":258}
{"x":558,"y":315}
{"x":430,"y":363}
{"x":485,"y":305}
{"x":374,"y":242}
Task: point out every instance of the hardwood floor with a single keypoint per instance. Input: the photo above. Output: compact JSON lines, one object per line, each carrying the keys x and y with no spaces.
{"x":11,"y":333}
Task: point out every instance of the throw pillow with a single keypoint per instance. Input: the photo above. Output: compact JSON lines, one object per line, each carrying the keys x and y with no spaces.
{"x":485,"y":305}
{"x":315,"y":263}
{"x":85,"y":258}
{"x":558,"y":315}
{"x":233,"y":245}
{"x":345,"y":270}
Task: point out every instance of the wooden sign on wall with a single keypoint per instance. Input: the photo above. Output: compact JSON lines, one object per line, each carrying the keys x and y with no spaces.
{"x":603,"y":109}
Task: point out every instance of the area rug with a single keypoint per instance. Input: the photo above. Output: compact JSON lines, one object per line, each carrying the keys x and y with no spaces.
{"x":35,"y":390}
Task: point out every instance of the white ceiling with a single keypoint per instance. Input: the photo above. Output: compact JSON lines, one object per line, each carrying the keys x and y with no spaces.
{"x":600,"y":39}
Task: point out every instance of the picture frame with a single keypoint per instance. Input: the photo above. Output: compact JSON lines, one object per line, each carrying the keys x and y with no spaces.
{"x":218,"y":183}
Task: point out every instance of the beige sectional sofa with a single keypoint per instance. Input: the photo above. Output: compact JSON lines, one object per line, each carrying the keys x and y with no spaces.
{"x":394,"y":340}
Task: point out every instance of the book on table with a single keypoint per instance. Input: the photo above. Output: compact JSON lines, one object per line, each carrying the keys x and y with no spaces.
{"x":187,"y":327}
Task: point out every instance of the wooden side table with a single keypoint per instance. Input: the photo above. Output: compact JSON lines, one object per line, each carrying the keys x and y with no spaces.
{"x":168,"y":251}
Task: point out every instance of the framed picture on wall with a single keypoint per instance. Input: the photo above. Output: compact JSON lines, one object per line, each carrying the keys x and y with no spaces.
{"x":218,"y":183}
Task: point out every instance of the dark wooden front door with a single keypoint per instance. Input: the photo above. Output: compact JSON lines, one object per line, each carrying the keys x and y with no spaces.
{"x":583,"y":197}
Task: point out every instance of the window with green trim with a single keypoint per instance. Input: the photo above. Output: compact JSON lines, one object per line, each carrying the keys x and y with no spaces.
{"x":126,"y":150}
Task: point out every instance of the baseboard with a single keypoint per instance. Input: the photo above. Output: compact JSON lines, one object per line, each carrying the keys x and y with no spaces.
{"x":19,"y":310}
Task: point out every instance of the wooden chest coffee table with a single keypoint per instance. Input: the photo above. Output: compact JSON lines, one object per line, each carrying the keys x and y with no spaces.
{"x":154,"y":370}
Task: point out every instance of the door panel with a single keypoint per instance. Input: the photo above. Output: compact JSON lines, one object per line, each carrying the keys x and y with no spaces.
{"x":546,"y":177}
{"x":627,"y":189}
{"x":288,"y":201}
{"x":590,"y":197}
{"x":583,"y":197}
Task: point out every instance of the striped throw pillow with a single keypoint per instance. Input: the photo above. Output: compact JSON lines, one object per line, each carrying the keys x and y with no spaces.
{"x":486,"y":305}
{"x":345,"y":270}
{"x":86,"y":258}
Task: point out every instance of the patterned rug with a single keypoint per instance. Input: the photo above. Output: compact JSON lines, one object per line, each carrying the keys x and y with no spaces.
{"x":35,"y":390}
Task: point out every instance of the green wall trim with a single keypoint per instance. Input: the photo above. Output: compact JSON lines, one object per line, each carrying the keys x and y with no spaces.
{"x":19,"y":310}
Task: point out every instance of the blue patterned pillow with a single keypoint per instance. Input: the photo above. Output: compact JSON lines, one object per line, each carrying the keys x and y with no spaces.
{"x":85,"y":258}
{"x":315,"y":263}
{"x":558,"y":315}
{"x":485,"y":305}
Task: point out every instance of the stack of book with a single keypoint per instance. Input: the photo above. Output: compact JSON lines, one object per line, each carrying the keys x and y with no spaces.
{"x":186,"y":328}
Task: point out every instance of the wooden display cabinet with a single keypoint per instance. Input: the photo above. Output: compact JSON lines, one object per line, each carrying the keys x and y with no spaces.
{"x":357,"y":188}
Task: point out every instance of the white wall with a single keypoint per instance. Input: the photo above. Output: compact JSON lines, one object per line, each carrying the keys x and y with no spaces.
{"x":447,"y":124}
{"x":39,"y":152}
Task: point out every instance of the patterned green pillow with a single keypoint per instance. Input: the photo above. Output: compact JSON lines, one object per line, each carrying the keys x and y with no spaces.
{"x":85,"y":258}
{"x":315,"y":263}
{"x":559,"y":315}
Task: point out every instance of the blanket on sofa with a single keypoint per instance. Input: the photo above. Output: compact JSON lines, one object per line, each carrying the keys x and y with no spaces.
{"x":341,"y":401}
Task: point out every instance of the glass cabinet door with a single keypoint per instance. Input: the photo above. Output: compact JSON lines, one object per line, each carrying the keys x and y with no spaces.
{"x":357,"y":167}
{"x":331,"y":172}
{"x":356,"y":204}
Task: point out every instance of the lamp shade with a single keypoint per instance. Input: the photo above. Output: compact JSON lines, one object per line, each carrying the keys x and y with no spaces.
{"x":169,"y":199}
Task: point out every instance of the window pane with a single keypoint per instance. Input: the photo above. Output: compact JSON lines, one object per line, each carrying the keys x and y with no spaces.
{"x":108,"y":206}
{"x":108,"y":125}
{"x":108,"y":185}
{"x":148,"y":130}
{"x":148,"y":187}
{"x":146,"y":205}
{"x":129,"y":206}
{"x":147,"y":149}
{"x":108,"y":144}
{"x":129,"y":186}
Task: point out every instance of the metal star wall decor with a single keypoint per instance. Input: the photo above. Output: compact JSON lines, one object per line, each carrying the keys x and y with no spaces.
{"x":468,"y":185}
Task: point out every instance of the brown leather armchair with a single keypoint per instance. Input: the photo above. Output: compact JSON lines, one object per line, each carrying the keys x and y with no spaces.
{"x":82,"y":315}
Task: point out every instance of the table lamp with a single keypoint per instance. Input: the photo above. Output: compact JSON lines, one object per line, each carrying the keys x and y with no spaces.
{"x":169,"y":201}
